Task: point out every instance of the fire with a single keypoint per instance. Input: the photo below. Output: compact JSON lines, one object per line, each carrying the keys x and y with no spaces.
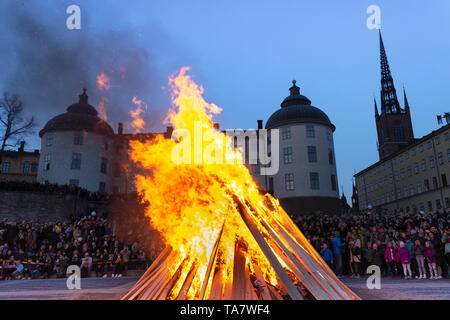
{"x":103,"y":81}
{"x":212,"y":217}
{"x":138,"y":123}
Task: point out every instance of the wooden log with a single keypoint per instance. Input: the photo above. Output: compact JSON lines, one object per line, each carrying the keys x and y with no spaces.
{"x":148,"y":273}
{"x":303,"y":255}
{"x":187,"y":283}
{"x":165,"y":292}
{"x":285,"y":280}
{"x":250,"y":293}
{"x":273,"y":292}
{"x":238,"y":290}
{"x":265,"y":294}
{"x":318,"y":288}
{"x":216,"y":291}
{"x":228,"y":290}
{"x":211,"y":263}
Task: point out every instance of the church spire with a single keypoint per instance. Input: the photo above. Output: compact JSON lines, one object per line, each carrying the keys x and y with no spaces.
{"x":406,"y":104}
{"x":389,"y":101}
{"x":376,"y":107}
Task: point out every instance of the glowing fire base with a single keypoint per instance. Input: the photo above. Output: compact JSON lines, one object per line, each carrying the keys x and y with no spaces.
{"x":298,"y":267}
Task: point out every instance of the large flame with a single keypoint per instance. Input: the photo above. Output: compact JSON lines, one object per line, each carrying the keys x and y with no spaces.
{"x":191,"y":204}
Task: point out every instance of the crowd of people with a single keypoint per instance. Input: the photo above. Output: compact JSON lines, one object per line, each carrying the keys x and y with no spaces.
{"x":31,"y":250}
{"x":411,"y":246}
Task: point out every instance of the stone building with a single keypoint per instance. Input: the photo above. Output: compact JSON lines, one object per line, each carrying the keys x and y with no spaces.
{"x":306,"y":181}
{"x":19,"y":165}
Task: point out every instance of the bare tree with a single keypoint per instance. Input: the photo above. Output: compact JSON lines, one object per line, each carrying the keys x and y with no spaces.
{"x":13,"y":125}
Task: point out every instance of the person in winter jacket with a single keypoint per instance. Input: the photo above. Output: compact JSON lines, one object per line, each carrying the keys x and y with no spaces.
{"x":418,"y":252}
{"x":337,"y":250}
{"x":430,"y":258}
{"x":327,"y":255}
{"x":390,"y":256}
{"x":405,"y":259}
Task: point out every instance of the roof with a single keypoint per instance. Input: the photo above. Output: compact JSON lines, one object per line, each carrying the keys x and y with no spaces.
{"x":297,"y":108}
{"x":80,"y":116}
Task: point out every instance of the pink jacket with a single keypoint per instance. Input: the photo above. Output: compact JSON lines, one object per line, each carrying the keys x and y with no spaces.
{"x":404,"y":255}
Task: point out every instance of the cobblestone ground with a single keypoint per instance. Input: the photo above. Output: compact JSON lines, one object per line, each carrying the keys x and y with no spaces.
{"x":399,"y":289}
{"x":115,"y":288}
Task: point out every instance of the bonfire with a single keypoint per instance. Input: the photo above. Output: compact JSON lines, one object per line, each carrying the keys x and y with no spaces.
{"x":224,"y":238}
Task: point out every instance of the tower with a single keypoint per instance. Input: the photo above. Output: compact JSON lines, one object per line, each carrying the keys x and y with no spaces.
{"x":394,"y":126}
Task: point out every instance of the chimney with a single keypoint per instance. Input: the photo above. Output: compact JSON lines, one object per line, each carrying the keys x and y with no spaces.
{"x":169,"y":131}
{"x":260,"y":124}
{"x":22,"y":146}
{"x":216,"y":126}
{"x":120,"y":129}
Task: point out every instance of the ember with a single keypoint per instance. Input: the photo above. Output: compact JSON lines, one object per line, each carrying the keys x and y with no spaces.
{"x":225,"y":240}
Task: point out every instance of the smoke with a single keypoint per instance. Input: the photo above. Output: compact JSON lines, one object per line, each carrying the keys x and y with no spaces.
{"x":48,"y":65}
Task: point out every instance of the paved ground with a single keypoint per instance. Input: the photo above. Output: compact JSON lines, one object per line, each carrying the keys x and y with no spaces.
{"x":56,"y":289}
{"x":398,"y":289}
{"x":115,"y":288}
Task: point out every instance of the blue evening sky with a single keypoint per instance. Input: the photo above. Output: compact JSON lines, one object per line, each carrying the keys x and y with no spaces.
{"x":246,"y":53}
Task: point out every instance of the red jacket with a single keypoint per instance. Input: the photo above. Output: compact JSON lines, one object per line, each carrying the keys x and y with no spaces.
{"x":389,"y":253}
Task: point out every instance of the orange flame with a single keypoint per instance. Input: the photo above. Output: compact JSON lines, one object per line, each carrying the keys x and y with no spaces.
{"x":189,"y":204}
{"x":138,"y":123}
{"x":103,"y":82}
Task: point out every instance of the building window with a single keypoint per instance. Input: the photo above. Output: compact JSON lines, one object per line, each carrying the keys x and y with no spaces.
{"x":424,"y":165}
{"x":74,"y":183}
{"x":330,"y":156}
{"x":405,"y":191}
{"x":430,"y":206}
{"x":407,"y":155}
{"x":287,"y":155}
{"x":333,"y":182}
{"x":438,"y":204}
{"x":432,"y":162}
{"x":102,"y":187}
{"x":426,"y":184}
{"x":413,"y":152}
{"x":419,"y":188}
{"x":401,"y":159}
{"x":5,"y":167}
{"x":49,"y":140}
{"x":438,"y":140}
{"x":398,"y":131}
{"x":435,"y":183}
{"x":402,"y":173}
{"x":116,"y":170}
{"x":440,"y":158}
{"x":289,"y":181}
{"x":312,"y":154}
{"x":399,"y":193}
{"x":33,"y":167}
{"x":310,"y":133}
{"x":429,"y":145}
{"x":47,"y":160}
{"x":416,"y":168}
{"x":447,"y":136}
{"x":444,"y":180}
{"x":314,"y":180}
{"x":421,"y":148}
{"x":76,"y":161}
{"x":78,"y":139}
{"x":411,"y":190}
{"x":396,"y":175}
{"x":26,"y":167}
{"x":286,"y":133}
{"x":409,"y":171}
{"x":104,"y":165}
{"x":329,"y":134}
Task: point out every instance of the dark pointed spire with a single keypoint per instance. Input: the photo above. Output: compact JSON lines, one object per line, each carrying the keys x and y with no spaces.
{"x":389,"y":101}
{"x":406,"y":104}
{"x":84,"y":97}
{"x":376,"y":107}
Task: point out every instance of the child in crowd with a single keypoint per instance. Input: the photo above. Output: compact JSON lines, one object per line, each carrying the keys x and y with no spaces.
{"x":405,"y":259}
{"x":430,"y":258}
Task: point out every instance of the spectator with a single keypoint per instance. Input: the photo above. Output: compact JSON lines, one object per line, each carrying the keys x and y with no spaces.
{"x":418,"y":252}
{"x":337,"y":250}
{"x":405,"y":259}
{"x":430,"y":257}
{"x":327,"y":255}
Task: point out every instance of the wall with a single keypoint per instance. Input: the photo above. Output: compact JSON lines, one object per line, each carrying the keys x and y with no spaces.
{"x":44,"y":207}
